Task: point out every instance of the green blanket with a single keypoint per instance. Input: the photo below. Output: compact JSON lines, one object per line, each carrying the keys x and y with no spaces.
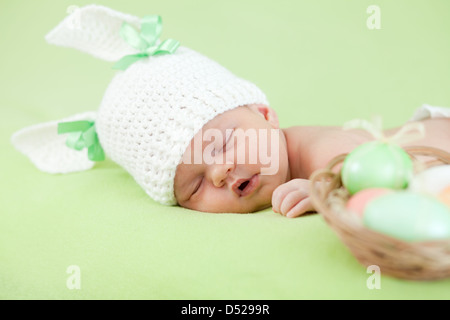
{"x":319,"y":64}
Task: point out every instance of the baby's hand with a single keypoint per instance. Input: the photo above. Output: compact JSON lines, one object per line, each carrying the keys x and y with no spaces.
{"x":291,"y":199}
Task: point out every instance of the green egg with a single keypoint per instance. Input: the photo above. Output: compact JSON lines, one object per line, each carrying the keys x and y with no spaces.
{"x":408,"y":216}
{"x":376,"y":165}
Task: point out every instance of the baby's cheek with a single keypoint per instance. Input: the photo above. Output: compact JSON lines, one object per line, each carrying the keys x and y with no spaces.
{"x":215,"y":200}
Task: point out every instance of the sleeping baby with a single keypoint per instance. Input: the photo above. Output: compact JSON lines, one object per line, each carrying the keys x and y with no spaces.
{"x":230,"y":185}
{"x":189,"y":131}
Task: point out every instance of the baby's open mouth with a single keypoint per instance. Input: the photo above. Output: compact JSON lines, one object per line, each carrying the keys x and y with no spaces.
{"x":244,"y":187}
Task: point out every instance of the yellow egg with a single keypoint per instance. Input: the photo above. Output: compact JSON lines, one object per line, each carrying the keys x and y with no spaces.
{"x":432,"y":181}
{"x":444,"y":196}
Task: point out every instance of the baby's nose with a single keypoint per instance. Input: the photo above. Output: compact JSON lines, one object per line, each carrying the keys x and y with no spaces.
{"x":218,"y":173}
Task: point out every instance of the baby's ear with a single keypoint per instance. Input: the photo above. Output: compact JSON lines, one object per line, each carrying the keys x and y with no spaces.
{"x":268,"y":113}
{"x":95,"y":30}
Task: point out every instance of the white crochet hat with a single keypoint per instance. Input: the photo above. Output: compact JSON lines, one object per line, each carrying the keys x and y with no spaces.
{"x":149,"y":113}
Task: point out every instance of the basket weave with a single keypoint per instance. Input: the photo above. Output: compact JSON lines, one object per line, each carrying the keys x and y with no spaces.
{"x":408,"y":260}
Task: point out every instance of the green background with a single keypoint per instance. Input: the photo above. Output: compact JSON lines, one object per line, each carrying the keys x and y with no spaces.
{"x":318,"y":64}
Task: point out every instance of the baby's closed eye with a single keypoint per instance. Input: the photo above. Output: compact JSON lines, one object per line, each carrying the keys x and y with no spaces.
{"x":227,"y":141}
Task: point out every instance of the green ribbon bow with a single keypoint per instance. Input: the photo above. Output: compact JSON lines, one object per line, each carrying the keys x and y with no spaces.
{"x":145,"y":41}
{"x":82,"y":134}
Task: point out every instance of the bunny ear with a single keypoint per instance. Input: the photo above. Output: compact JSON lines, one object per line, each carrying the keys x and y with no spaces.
{"x":95,"y":30}
{"x":48,"y":150}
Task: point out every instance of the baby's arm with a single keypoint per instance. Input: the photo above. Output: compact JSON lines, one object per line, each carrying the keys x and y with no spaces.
{"x":311,"y":148}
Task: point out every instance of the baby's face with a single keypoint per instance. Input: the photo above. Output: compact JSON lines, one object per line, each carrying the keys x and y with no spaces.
{"x":234,"y":163}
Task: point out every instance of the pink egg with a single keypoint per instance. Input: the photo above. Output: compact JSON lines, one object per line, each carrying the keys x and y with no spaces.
{"x":444,"y":196}
{"x":358,"y":202}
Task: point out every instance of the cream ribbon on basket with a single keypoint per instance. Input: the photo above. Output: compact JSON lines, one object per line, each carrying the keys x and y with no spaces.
{"x":410,"y":132}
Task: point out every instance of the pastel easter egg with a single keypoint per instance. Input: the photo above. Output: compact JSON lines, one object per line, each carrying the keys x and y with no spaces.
{"x":376,"y":165}
{"x":358,"y":202}
{"x":408,"y":216}
{"x":444,"y":196}
{"x":432,"y":180}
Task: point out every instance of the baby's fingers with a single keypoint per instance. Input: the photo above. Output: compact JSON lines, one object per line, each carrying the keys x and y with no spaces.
{"x":282,"y":191}
{"x":291,"y":200}
{"x":300,"y":208}
{"x":278,"y":197}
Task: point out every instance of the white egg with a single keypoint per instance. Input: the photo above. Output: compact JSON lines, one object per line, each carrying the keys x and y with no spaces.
{"x":432,"y":180}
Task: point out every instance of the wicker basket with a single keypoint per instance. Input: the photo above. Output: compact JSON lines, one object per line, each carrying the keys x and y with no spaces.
{"x":407,"y":260}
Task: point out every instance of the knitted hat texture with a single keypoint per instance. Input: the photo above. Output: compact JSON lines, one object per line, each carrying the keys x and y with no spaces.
{"x":149,"y":113}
